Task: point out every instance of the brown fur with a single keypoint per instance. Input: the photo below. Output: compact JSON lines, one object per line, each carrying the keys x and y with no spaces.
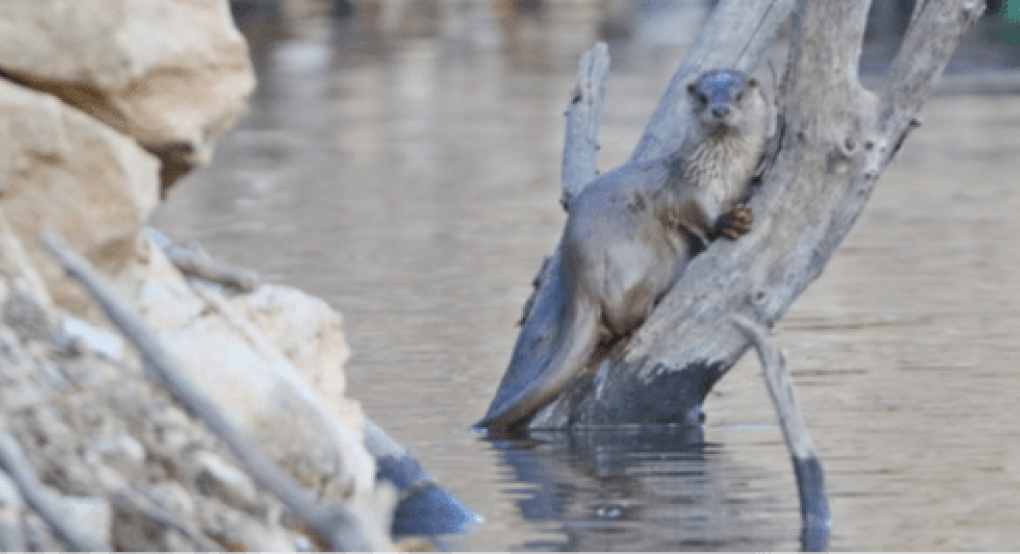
{"x":630,"y":235}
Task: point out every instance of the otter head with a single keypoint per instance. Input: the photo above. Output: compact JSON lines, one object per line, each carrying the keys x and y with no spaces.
{"x":718,"y":99}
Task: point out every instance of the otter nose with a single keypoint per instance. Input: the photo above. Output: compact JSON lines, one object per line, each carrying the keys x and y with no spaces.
{"x":720,"y":111}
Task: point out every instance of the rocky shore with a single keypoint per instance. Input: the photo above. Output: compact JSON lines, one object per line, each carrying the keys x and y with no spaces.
{"x":104,"y":105}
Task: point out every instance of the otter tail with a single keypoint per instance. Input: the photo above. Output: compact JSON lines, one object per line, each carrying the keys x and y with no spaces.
{"x":558,"y":338}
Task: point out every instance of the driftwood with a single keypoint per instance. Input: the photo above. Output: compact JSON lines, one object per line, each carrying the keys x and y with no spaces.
{"x":337,"y":525}
{"x":45,"y":503}
{"x":814,"y":503}
{"x":839,"y":137}
{"x":424,"y":508}
{"x":193,"y":260}
{"x":584,"y":116}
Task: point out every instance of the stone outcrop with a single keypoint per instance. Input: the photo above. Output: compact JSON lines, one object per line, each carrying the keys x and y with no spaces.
{"x":253,"y":380}
{"x":101,"y":102}
{"x":173,"y":74}
{"x":62,"y":169}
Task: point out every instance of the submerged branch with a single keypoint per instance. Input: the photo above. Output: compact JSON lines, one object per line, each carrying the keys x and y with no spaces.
{"x":814,"y":502}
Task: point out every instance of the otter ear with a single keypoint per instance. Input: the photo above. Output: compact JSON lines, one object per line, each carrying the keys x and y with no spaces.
{"x":752,"y":82}
{"x":692,"y":88}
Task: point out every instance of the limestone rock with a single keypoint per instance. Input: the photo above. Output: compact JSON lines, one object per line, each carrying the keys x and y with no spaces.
{"x":121,"y":452}
{"x":215,"y":478}
{"x":306,"y":330}
{"x":93,"y":513}
{"x":173,"y":74}
{"x":11,"y":508}
{"x":229,"y":358}
{"x":62,"y":169}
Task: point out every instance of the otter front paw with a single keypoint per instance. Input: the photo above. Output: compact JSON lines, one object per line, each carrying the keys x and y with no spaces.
{"x":735,"y":223}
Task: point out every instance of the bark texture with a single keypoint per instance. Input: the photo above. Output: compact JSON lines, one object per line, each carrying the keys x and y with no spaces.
{"x":838,"y":139}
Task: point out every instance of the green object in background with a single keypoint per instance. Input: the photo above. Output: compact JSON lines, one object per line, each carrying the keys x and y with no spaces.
{"x":1010,"y":32}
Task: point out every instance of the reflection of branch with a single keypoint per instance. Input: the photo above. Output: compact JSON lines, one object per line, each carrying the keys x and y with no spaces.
{"x":47,"y":505}
{"x":337,"y":524}
{"x":814,"y":503}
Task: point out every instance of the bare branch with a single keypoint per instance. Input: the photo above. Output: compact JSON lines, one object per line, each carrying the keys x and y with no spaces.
{"x":583,"y":118}
{"x":337,"y":524}
{"x":734,"y":37}
{"x":46,"y":504}
{"x":191,"y":259}
{"x":814,"y":502}
{"x":935,"y":29}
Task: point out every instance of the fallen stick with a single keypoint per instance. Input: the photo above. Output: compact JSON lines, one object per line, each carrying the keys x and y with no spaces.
{"x":45,"y":503}
{"x":424,"y":507}
{"x":334,"y":523}
{"x":814,"y":503}
{"x":192,"y":260}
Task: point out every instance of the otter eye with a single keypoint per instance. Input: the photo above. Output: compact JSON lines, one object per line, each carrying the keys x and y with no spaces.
{"x":703,"y":98}
{"x":740,"y":96}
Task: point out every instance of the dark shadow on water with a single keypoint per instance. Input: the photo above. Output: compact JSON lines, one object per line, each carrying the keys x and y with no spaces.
{"x":644,"y":488}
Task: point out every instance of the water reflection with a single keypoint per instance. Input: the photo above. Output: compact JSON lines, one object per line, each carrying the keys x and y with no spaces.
{"x":644,"y":489}
{"x":407,"y":172}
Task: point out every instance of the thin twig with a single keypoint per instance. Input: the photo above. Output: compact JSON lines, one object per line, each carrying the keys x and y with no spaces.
{"x":46,"y":504}
{"x":334,"y":523}
{"x":814,"y":503}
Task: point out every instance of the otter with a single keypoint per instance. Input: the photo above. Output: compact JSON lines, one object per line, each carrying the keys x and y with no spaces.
{"x":629,"y":236}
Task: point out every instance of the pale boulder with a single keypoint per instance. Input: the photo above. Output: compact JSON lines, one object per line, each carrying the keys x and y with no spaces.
{"x":60,"y":168}
{"x":231,"y":360}
{"x":306,"y":330}
{"x":173,"y":74}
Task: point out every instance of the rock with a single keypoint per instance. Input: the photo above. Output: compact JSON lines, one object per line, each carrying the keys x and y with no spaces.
{"x":93,"y":513}
{"x":308,"y":332}
{"x":172,"y":497}
{"x":251,"y":379}
{"x":121,"y":452}
{"x":11,"y":509}
{"x":257,"y":538}
{"x":175,"y":75}
{"x":101,"y":341}
{"x":214,"y":477}
{"x":64,"y":170}
{"x":15,"y":264}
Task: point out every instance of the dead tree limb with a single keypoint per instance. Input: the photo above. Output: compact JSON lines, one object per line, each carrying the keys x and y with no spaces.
{"x":193,"y":260}
{"x":580,"y":148}
{"x":839,"y":137}
{"x":338,"y":525}
{"x":814,"y":502}
{"x":45,"y":503}
{"x":584,"y":115}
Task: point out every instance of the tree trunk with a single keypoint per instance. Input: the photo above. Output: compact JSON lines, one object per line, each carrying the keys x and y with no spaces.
{"x":838,"y":139}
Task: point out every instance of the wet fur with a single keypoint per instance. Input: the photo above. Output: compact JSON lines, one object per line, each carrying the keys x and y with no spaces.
{"x":628,"y":239}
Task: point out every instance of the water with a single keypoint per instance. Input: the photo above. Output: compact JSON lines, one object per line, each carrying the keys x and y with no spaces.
{"x":407,"y":172}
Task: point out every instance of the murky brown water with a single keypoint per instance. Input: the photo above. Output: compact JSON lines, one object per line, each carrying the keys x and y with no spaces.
{"x":409,"y":176}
